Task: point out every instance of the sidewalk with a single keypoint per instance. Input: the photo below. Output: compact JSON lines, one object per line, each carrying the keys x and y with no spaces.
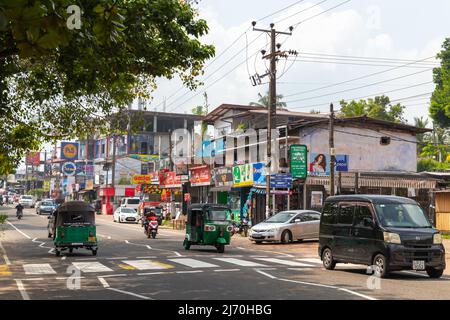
{"x":446,"y":243}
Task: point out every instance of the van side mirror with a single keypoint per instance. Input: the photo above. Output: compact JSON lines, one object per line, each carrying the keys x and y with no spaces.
{"x":368,"y":222}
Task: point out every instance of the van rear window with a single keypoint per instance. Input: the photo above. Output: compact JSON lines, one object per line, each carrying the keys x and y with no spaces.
{"x":329,"y":213}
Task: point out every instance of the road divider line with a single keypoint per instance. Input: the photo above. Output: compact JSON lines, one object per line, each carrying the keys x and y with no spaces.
{"x":114,"y":275}
{"x":282,"y":253}
{"x":5,"y":256}
{"x":17,"y":229}
{"x":154,"y":273}
{"x":117,"y":258}
{"x":317,"y":285}
{"x":226,"y":270}
{"x":103,"y":282}
{"x":188,"y":271}
{"x":130,"y":293}
{"x":22,"y":290}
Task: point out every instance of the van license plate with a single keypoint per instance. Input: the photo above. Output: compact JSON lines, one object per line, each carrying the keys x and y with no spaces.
{"x":418,"y":265}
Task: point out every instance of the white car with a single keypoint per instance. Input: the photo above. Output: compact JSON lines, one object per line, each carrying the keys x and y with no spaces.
{"x":287,"y":226}
{"x":27,"y":201}
{"x":130,"y":202}
{"x":124,"y":214}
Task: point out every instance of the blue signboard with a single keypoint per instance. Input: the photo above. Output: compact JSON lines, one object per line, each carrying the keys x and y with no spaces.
{"x":342,"y":161}
{"x":259,"y":174}
{"x":69,"y":150}
{"x":281,"y":180}
{"x":69,"y":168}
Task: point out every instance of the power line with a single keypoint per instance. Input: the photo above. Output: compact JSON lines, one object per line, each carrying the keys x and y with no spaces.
{"x":362,"y":57}
{"x":280,"y":10}
{"x":320,"y":13}
{"x":357,"y":88}
{"x":301,"y":11}
{"x":362,"y":64}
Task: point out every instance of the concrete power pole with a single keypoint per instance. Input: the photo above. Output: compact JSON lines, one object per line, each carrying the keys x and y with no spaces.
{"x":271,"y":113}
{"x":332,"y":153}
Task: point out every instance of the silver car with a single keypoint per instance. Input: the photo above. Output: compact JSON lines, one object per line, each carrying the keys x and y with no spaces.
{"x":287,"y":226}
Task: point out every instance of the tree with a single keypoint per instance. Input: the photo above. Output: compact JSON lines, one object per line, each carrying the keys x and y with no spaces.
{"x":263,"y":101}
{"x":59,"y":83}
{"x":422,"y":123}
{"x":440,"y":99}
{"x":379,"y":107}
{"x":438,"y":145}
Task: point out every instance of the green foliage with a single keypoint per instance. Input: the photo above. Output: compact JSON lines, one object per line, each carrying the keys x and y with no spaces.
{"x":420,"y":122}
{"x":57,"y":83}
{"x":440,"y":99}
{"x":263,"y":101}
{"x":3,"y":218}
{"x":36,"y":192}
{"x":429,"y":164}
{"x":379,"y":107}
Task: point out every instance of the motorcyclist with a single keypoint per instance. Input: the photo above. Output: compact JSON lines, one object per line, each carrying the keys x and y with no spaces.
{"x":19,"y":209}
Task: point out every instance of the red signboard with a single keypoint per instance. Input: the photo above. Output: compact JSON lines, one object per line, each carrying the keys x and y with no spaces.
{"x":33,"y":158}
{"x":129,"y":192}
{"x":169,"y":180}
{"x":200,"y":176}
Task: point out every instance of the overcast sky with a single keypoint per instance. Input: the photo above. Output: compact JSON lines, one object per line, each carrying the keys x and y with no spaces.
{"x":400,"y":29}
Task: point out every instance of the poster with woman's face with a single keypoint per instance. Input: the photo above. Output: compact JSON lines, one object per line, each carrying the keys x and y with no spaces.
{"x":319,"y":164}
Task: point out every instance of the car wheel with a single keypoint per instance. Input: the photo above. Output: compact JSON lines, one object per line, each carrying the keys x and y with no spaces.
{"x":380,"y":264}
{"x":434,"y":273}
{"x":327,"y":259}
{"x":220,"y":248}
{"x":286,"y":236}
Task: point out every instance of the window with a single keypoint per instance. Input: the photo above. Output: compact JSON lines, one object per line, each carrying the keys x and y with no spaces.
{"x":361,"y":213}
{"x":329,"y":212}
{"x":133,"y":201}
{"x":402,"y":216}
{"x":312,"y":216}
{"x":346,"y":213}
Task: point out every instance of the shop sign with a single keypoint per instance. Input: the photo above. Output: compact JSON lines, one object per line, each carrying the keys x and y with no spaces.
{"x":89,"y":185}
{"x":243,"y":175}
{"x":281,"y":180}
{"x":69,"y":150}
{"x":298,"y":159}
{"x":169,"y":180}
{"x":46,"y":185}
{"x":223,"y":177}
{"x":69,"y":168}
{"x":187,"y":197}
{"x":259,"y":174}
{"x":33,"y":158}
{"x":200,"y":176}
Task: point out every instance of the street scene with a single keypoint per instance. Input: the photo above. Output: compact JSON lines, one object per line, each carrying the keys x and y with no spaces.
{"x":191,"y":150}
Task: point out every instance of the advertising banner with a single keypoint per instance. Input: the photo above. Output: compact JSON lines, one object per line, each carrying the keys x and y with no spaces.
{"x":143,"y":178}
{"x":169,"y":180}
{"x":223,"y":177}
{"x":33,"y":158}
{"x":320,"y":163}
{"x":259,"y":174}
{"x":69,"y":168}
{"x":243,"y":175}
{"x":200,"y":176}
{"x":46,"y":185}
{"x":298,"y":158}
{"x":281,"y":180}
{"x":89,"y":184}
{"x":69,"y":150}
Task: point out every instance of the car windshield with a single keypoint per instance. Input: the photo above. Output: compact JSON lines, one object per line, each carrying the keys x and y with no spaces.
{"x":219,"y":214}
{"x":281,"y":217}
{"x":128,"y":210}
{"x":47,"y":204}
{"x":133,"y":201}
{"x":27,"y":197}
{"x":402,"y":216}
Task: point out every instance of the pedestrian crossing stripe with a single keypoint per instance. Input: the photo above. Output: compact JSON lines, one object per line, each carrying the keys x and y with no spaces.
{"x":91,"y":267}
{"x":4,"y":270}
{"x":146,"y":265}
{"x":193,"y":263}
{"x":285,"y":262}
{"x":310,"y":260}
{"x":36,"y":268}
{"x":240,"y":262}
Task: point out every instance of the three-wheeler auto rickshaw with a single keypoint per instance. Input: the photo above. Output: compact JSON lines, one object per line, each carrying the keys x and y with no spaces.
{"x":208,"y":224}
{"x":73,"y":227}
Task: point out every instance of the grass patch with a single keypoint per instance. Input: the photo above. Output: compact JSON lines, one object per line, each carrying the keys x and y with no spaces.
{"x":445,"y":236}
{"x":3,"y":218}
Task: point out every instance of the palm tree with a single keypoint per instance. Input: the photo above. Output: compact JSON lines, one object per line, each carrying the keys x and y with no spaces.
{"x":263,"y":101}
{"x":422,"y":123}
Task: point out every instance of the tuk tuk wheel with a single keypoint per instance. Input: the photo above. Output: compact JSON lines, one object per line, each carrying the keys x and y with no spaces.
{"x":57,"y":252}
{"x":70,"y":250}
{"x":153,"y":235}
{"x":186,"y":244}
{"x":220,"y":248}
{"x":94,"y":252}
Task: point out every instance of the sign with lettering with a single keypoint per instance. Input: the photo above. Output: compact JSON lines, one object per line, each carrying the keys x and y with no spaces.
{"x":243,"y":175}
{"x":299,"y":160}
{"x":69,"y":150}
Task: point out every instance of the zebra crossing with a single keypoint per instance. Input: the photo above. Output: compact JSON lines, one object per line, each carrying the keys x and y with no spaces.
{"x":110,"y":266}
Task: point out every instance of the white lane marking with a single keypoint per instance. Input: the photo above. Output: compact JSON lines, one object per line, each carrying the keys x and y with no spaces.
{"x":311,"y":260}
{"x":144,"y":264}
{"x":104,"y":236}
{"x":146,"y":257}
{"x":52,"y":250}
{"x":193,"y":263}
{"x":117,"y":258}
{"x":193,"y":271}
{"x":103,"y":282}
{"x":300,"y":269}
{"x":130,"y":293}
{"x":42,"y":268}
{"x":240,"y":262}
{"x":153,"y":273}
{"x":150,"y":248}
{"x":114,"y":275}
{"x":318,"y":285}
{"x":281,"y":253}
{"x":31,"y":279}
{"x":91,"y":267}
{"x":17,"y":229}
{"x":22,"y":290}
{"x":71,"y":277}
{"x":5,"y":257}
{"x":285,"y":262}
{"x":226,"y":270}
{"x":63,"y":258}
{"x":422,"y":275}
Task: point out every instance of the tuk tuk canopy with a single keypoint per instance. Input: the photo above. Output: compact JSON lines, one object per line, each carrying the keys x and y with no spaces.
{"x":214,"y":212}
{"x":75,"y":213}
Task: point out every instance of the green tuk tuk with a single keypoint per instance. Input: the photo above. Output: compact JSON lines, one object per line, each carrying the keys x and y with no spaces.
{"x":74,"y":227}
{"x":208,"y":224}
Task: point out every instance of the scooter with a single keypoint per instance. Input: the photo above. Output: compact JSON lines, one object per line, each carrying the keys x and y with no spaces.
{"x":151,"y":228}
{"x":243,"y":228}
{"x":19,"y":214}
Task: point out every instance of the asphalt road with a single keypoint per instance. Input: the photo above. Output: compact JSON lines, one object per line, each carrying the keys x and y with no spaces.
{"x":130,"y":266}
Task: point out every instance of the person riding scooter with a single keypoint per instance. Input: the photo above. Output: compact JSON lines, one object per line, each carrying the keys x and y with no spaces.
{"x":151,"y":225}
{"x":19,"y":212}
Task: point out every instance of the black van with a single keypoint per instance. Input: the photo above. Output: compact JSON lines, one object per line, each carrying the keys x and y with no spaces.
{"x":388,"y":232}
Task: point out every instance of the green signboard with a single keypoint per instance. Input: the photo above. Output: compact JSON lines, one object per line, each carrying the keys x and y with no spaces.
{"x":243,"y":175}
{"x":298,"y":157}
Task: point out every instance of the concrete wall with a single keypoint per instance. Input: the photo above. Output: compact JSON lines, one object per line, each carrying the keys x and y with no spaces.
{"x":364,"y":148}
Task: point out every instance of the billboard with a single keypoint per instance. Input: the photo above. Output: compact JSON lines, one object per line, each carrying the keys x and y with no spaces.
{"x":319,"y":163}
{"x":69,"y":150}
{"x":298,"y":158}
{"x":33,"y":158}
{"x":243,"y":175}
{"x":259,"y":174}
{"x":223,"y":177}
{"x":200,"y":176}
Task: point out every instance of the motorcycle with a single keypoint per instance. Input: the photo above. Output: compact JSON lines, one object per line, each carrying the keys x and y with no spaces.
{"x":19,"y":214}
{"x":243,"y":228}
{"x":151,"y":228}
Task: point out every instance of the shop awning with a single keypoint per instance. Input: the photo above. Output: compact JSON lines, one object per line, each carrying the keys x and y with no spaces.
{"x":220,"y":189}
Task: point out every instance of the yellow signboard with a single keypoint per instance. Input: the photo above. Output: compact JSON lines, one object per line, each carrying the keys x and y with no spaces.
{"x":46,"y":185}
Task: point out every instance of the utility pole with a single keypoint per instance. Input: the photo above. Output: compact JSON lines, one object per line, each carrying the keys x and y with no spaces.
{"x":332,"y":153}
{"x":271,"y":112}
{"x":113,"y":179}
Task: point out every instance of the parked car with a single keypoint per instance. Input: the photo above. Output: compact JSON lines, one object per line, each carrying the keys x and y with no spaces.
{"x":46,"y":206}
{"x":130,"y":202}
{"x":27,"y":201}
{"x":125,"y":214}
{"x":287,"y":226}
{"x":387,"y":232}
